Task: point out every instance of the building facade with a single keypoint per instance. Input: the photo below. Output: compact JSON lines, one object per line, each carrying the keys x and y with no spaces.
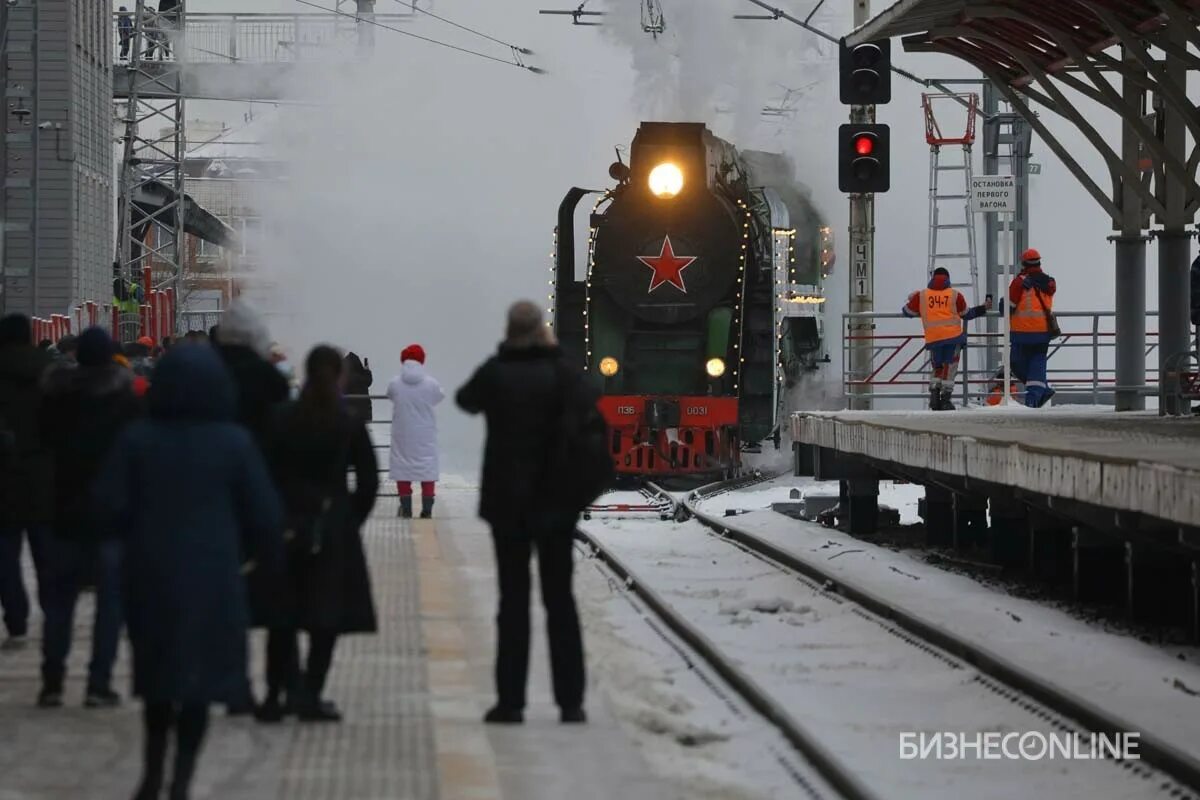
{"x":58,"y":201}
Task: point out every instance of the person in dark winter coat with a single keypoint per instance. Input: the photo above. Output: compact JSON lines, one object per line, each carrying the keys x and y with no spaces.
{"x":521,"y":391}
{"x":26,"y":473}
{"x":358,"y":382}
{"x":189,"y":490}
{"x":124,"y":32}
{"x":83,"y":410}
{"x":326,"y":586}
{"x":244,"y":346}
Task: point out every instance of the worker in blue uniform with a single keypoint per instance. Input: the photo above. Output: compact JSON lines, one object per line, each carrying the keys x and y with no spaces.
{"x":1032,"y":327}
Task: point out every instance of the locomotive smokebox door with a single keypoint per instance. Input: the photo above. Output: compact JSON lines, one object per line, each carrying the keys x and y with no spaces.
{"x":670,"y":264}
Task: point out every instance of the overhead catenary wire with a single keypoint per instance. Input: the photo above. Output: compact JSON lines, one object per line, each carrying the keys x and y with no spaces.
{"x":522,"y":50}
{"x":467,"y":51}
{"x":779,"y":13}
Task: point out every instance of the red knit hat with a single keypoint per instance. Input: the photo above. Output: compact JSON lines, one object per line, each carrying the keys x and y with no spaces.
{"x":414,"y":352}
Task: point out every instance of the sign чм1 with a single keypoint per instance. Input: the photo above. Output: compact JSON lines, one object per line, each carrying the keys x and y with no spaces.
{"x":993,"y":193}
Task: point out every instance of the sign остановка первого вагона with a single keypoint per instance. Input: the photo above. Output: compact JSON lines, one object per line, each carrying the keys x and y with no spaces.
{"x":993,"y":193}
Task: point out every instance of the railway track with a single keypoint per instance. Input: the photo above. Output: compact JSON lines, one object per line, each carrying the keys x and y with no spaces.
{"x":973,"y":677}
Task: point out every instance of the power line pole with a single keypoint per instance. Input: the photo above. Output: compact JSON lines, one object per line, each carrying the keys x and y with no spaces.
{"x":862,"y":262}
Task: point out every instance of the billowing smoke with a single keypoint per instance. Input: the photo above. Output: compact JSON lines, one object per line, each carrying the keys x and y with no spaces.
{"x":763,"y":85}
{"x":421,"y":198}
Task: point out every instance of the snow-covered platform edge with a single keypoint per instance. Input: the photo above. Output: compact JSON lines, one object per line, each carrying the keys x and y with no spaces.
{"x":1059,"y":468}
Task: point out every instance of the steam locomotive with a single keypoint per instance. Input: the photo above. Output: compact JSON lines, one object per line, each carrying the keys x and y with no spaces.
{"x":701,"y":301}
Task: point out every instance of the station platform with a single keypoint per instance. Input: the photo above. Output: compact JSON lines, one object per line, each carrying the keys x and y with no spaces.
{"x":413,"y":696}
{"x":1133,"y":462}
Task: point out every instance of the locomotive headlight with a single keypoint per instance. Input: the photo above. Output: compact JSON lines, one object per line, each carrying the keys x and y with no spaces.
{"x":666,"y":180}
{"x":609,"y":366}
{"x":715,"y":367}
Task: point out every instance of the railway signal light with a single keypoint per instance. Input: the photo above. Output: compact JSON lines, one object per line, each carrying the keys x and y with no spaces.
{"x":866,"y":73}
{"x":863,"y":164}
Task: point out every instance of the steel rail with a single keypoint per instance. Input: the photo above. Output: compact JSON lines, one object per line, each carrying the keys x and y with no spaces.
{"x":823,"y":762}
{"x":1152,"y":749}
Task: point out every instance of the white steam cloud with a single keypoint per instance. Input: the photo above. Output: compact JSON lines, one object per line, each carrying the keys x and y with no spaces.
{"x":421,"y":199}
{"x":762,"y":85}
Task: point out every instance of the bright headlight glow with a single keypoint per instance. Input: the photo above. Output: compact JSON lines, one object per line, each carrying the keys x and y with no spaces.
{"x":715,"y":367}
{"x":666,"y":180}
{"x":609,"y":366}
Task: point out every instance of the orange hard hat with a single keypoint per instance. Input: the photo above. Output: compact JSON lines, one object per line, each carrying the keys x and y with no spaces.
{"x":145,"y":341}
{"x":1031,"y":258}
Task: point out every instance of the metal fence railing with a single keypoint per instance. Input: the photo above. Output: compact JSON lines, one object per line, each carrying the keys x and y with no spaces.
{"x":1082,"y":365}
{"x":252,"y":38}
{"x":197,"y":320}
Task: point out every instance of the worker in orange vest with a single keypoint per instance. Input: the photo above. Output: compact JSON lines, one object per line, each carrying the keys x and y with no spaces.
{"x":1032,"y":296}
{"x":942,"y":310}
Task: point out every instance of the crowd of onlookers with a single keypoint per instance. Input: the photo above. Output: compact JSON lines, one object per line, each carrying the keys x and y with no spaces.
{"x":200,"y":493}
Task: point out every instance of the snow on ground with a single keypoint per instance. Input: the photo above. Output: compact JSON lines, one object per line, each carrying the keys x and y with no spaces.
{"x":844,"y":675}
{"x":901,"y":496}
{"x":687,"y":733}
{"x":1154,"y":690}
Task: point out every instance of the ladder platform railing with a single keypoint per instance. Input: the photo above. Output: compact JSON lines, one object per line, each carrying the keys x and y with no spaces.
{"x":257,"y":38}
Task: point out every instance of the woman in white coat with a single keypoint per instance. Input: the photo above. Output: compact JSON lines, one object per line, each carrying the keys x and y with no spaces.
{"x":414,"y":430}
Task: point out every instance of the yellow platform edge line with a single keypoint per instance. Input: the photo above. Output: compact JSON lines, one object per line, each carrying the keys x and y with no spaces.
{"x":466,"y":763}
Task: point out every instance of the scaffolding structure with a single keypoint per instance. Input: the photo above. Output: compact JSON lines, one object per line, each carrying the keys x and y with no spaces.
{"x":952,"y":203}
{"x":150,"y":236}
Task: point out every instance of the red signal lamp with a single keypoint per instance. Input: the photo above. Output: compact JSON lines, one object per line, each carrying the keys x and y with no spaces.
{"x":864,"y":144}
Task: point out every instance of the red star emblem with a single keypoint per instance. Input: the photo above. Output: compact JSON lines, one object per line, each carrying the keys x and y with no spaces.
{"x":667,"y":267}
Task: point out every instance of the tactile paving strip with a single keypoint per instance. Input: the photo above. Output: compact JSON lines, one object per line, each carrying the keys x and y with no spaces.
{"x":384,"y":750}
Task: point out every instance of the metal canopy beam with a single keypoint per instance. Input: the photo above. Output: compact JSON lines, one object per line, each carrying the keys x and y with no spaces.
{"x":1028,"y":43}
{"x":1034,"y":50}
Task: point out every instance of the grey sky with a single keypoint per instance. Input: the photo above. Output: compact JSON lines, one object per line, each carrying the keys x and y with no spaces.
{"x":441,"y":173}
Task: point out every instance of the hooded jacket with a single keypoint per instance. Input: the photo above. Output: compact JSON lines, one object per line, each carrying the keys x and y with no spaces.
{"x":188,"y":490}
{"x":414,"y":394}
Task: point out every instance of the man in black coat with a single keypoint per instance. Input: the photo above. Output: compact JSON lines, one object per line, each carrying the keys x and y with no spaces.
{"x":26,"y":474}
{"x":83,"y":410}
{"x":522,"y":391}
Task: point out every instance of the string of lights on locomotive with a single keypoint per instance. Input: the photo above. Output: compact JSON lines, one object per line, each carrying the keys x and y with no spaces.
{"x":700,"y":302}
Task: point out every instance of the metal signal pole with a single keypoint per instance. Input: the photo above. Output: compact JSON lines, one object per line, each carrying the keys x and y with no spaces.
{"x":862,"y":262}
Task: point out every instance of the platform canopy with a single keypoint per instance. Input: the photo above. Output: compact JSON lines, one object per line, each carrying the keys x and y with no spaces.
{"x":1002,"y":37}
{"x":1032,"y":49}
